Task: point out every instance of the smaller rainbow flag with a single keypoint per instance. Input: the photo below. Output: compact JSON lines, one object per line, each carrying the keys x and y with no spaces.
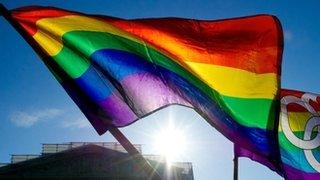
{"x":298,"y":136}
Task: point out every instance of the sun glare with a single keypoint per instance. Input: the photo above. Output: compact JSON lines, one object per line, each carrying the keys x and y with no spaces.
{"x":170,"y":142}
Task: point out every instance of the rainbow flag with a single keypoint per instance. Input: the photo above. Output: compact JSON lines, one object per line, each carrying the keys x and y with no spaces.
{"x":118,"y":71}
{"x":299,"y":134}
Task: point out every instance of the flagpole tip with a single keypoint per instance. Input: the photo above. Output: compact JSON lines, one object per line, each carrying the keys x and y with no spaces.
{"x":2,"y":8}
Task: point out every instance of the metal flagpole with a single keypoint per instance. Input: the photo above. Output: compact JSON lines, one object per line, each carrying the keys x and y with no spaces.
{"x":235,"y":167}
{"x":128,"y":146}
{"x":135,"y":154}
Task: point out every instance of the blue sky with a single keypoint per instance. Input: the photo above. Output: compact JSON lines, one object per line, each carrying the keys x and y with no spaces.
{"x":34,"y":109}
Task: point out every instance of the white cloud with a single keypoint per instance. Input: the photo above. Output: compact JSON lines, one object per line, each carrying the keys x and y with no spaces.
{"x":77,"y":123}
{"x":27,"y":119}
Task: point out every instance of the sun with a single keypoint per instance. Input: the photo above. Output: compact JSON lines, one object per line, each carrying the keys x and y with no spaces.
{"x":170,"y":142}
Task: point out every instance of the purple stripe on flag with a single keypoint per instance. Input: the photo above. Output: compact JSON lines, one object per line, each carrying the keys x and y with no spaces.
{"x":146,"y":91}
{"x":118,"y":110}
{"x":149,"y":92}
{"x":293,"y":173}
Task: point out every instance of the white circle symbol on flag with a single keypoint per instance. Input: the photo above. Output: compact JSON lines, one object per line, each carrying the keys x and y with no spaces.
{"x":307,"y":144}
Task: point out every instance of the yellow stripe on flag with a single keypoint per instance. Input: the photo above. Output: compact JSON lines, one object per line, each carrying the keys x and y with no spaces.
{"x":51,"y":30}
{"x":298,"y":120}
{"x":236,"y":82}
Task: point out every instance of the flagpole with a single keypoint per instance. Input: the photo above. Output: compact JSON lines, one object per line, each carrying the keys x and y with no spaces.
{"x":235,"y":167}
{"x":128,"y":146}
{"x":135,"y":154}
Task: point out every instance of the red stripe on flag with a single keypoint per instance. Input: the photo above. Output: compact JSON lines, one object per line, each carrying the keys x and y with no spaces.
{"x":28,"y":16}
{"x":293,"y":107}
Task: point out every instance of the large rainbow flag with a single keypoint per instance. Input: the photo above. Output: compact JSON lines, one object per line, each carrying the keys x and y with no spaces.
{"x":118,"y":71}
{"x":298,"y":136}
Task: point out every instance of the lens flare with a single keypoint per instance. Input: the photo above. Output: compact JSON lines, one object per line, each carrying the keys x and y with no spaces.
{"x":170,"y":142}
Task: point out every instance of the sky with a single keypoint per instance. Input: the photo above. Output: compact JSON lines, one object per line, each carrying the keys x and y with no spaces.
{"x":34,"y":108}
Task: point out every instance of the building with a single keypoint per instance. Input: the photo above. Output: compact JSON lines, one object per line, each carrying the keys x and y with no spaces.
{"x":101,"y":160}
